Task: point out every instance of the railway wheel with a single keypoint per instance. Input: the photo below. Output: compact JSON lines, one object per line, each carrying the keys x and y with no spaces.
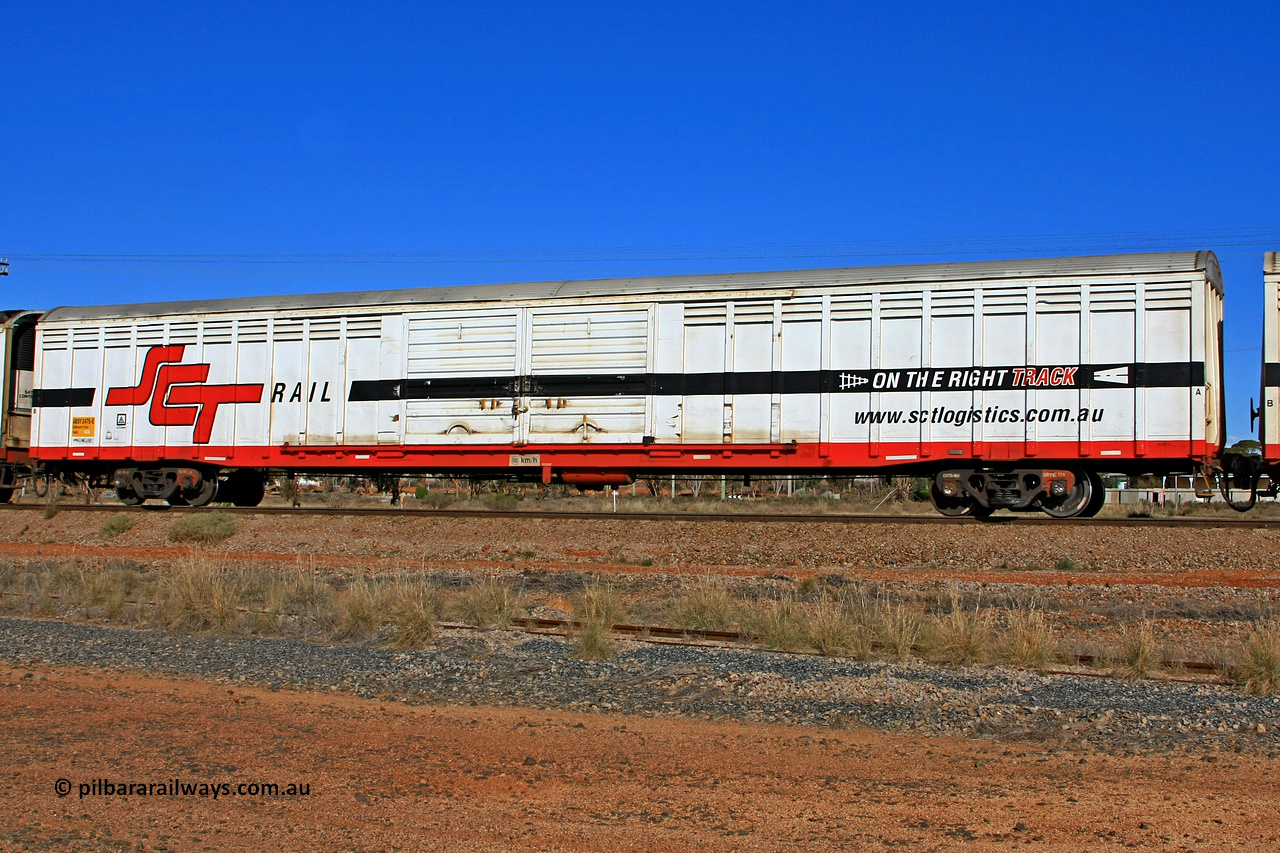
{"x":203,"y":494}
{"x":252,"y":490}
{"x":1077,"y":501}
{"x":1099,"y":498}
{"x":951,"y":507}
{"x":244,"y":487}
{"x":128,"y":496}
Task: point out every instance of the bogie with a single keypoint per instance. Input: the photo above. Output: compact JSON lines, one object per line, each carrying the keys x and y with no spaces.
{"x":1059,"y":492}
{"x":175,"y":486}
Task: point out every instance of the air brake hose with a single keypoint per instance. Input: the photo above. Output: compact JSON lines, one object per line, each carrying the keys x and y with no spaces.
{"x":1224,"y":487}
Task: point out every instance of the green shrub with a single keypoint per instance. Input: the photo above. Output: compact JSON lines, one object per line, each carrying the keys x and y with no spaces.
{"x":205,"y":528}
{"x":502,"y":501}
{"x":1143,"y":509}
{"x":114,"y":526}
{"x":439,"y":499}
{"x":593,"y":641}
{"x":288,"y":487}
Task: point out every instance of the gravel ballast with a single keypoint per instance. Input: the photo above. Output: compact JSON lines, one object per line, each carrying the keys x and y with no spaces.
{"x":1073,"y":712}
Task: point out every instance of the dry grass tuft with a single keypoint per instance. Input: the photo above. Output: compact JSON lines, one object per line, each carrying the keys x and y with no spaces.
{"x":1259,"y":666}
{"x":1140,"y":655}
{"x":779,"y":624}
{"x":66,"y":578}
{"x":487,"y":603}
{"x":43,"y":587}
{"x":900,"y":629}
{"x":830,"y":630}
{"x":361,"y":610}
{"x":205,"y":528}
{"x":962,"y":636}
{"x":414,"y":607}
{"x":597,"y":610}
{"x":9,"y":574}
{"x":298,"y":604}
{"x":110,"y":590}
{"x":847,"y":625}
{"x":593,"y":641}
{"x":201,"y":596}
{"x":707,"y":607}
{"x":600,"y":603}
{"x":287,"y":594}
{"x":1028,"y":641}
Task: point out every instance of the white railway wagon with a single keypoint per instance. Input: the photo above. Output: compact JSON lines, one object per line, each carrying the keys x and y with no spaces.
{"x":1012,"y":383}
{"x":1269,"y":414}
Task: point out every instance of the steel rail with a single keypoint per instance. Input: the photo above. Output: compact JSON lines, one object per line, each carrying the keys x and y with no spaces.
{"x":582,"y":515}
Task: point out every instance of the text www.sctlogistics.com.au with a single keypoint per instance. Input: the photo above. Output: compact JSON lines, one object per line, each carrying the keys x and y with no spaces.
{"x":180,"y":788}
{"x":989,"y":415}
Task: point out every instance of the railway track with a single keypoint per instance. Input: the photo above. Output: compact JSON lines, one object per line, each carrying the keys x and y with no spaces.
{"x":1198,"y":672}
{"x":1029,"y":520}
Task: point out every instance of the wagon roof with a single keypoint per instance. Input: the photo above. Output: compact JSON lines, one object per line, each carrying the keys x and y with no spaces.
{"x":1153,"y":263}
{"x":1271,"y":262}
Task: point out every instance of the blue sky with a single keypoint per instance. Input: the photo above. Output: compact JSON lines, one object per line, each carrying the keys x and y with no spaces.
{"x":177,"y":150}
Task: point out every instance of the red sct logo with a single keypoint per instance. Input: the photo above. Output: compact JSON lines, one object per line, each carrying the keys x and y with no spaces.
{"x":178,"y":394}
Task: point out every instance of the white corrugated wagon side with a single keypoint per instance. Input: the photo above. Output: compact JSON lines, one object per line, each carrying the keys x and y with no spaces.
{"x":1010,"y":384}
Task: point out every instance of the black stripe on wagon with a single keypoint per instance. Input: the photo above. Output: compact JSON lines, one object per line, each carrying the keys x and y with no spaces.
{"x":1065,"y":377}
{"x":61,"y":398}
{"x":1271,"y":374}
{"x":434,"y":389}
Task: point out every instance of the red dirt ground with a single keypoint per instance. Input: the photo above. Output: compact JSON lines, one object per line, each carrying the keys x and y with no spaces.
{"x":1208,"y":579}
{"x":386,"y":776}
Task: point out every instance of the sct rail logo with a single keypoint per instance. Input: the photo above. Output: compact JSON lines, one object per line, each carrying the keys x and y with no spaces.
{"x":178,"y":393}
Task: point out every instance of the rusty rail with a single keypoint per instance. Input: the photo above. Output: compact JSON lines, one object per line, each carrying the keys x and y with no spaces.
{"x":708,"y":638}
